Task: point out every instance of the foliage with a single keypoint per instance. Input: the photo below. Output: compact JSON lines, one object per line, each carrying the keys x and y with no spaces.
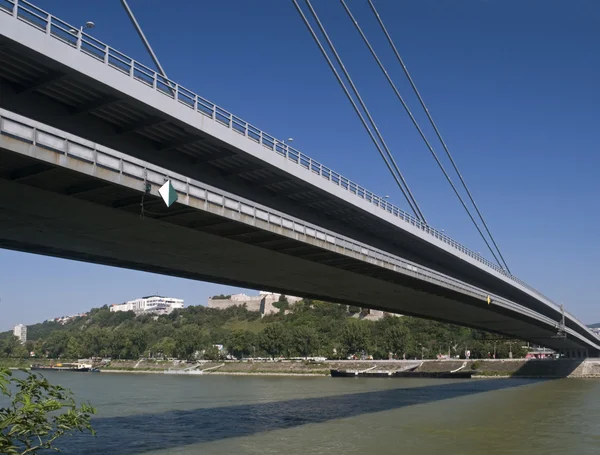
{"x":165,"y":347}
{"x":282,"y":305}
{"x":187,"y":341}
{"x":12,"y":347}
{"x":355,"y":337}
{"x":309,"y":328}
{"x":352,"y":309}
{"x":241,"y":343}
{"x":396,"y":338}
{"x":274,"y":339}
{"x":305,"y":340}
{"x":221,"y":297}
{"x":38,"y":415}
{"x":211,"y":353}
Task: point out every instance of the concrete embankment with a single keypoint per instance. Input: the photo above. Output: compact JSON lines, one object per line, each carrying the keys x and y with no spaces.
{"x":481,"y":368}
{"x":571,"y":368}
{"x":562,"y":368}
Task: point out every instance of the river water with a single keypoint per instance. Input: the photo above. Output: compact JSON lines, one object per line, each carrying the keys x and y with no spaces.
{"x":185,"y":415}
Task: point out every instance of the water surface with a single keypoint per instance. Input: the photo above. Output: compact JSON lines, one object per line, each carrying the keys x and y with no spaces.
{"x":162,"y":414}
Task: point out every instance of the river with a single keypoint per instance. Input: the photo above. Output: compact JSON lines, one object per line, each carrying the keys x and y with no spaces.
{"x":185,"y":415}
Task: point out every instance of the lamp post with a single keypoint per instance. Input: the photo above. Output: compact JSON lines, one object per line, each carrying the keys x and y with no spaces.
{"x":88,"y":24}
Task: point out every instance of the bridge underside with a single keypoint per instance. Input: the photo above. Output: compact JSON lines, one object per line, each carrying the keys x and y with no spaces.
{"x":47,"y":80}
{"x":40,"y":88}
{"x":63,"y":211}
{"x":54,"y":211}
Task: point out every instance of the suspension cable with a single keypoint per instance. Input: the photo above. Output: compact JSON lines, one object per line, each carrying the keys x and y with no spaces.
{"x":433,"y":124}
{"x":145,"y":41}
{"x":362,"y":103}
{"x":401,"y":180}
{"x":415,"y":123}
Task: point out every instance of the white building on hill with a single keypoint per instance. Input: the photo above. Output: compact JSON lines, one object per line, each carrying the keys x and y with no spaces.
{"x":154,"y":304}
{"x":20,"y":331}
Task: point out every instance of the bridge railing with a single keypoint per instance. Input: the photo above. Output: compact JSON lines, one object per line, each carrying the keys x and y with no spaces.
{"x":28,"y":13}
{"x":88,"y":157}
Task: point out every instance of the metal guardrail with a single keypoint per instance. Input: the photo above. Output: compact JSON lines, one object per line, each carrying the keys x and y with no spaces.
{"x":50,"y":25}
{"x":132,"y":172}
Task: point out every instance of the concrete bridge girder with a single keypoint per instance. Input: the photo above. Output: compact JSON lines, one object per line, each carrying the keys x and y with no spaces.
{"x":417,"y":290}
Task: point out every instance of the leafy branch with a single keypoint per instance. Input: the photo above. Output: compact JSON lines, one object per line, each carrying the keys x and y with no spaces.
{"x":39,"y":413}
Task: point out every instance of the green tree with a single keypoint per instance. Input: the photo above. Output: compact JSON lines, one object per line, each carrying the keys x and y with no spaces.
{"x":120,"y":344}
{"x":95,"y":342}
{"x":212,"y":353}
{"x":221,"y":297}
{"x":38,"y":414}
{"x":30,"y":345}
{"x":56,"y":344}
{"x":165,"y":347}
{"x":138,"y":343}
{"x":396,"y":339}
{"x":20,"y":352}
{"x":241,"y":343}
{"x":305,"y":340}
{"x":10,"y":345}
{"x":355,"y":337}
{"x":274,"y":340}
{"x":329,"y":310}
{"x":310,"y":327}
{"x":188,"y":340}
{"x":74,"y":348}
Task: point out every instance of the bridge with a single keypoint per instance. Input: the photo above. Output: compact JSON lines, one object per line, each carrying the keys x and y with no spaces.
{"x":88,"y":135}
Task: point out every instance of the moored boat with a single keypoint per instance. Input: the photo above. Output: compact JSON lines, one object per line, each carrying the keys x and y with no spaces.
{"x":400,"y":374}
{"x":78,"y":367}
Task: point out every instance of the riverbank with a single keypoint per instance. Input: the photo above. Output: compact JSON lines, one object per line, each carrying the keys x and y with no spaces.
{"x":480,"y":368}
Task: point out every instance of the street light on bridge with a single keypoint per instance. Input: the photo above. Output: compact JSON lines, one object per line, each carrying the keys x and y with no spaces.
{"x":79,"y":33}
{"x":88,"y":24}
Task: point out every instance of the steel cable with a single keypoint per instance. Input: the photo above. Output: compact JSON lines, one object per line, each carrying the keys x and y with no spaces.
{"x":424,"y":106}
{"x":400,"y":180}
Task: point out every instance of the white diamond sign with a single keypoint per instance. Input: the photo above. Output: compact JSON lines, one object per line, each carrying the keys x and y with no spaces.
{"x":168,"y":193}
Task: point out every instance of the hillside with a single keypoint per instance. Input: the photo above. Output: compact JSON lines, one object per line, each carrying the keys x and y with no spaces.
{"x":310,"y":328}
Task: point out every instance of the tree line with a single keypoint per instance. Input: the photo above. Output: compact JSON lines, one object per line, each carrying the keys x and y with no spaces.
{"x":308,"y":328}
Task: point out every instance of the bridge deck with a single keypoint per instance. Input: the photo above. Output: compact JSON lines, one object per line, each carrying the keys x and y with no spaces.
{"x":89,"y":89}
{"x":68,"y":197}
{"x":85,"y":87}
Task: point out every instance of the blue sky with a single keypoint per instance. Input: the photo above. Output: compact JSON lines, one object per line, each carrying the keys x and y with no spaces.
{"x":513,"y":87}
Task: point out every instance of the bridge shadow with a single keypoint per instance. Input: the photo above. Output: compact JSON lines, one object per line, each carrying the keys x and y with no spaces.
{"x":548,"y":368}
{"x":137,"y":434}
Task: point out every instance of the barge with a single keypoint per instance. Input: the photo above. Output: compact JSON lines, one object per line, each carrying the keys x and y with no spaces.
{"x":401,"y":374}
{"x":78,"y":367}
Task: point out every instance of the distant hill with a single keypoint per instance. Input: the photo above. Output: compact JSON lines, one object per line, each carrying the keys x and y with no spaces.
{"x":594,"y":326}
{"x":310,"y":327}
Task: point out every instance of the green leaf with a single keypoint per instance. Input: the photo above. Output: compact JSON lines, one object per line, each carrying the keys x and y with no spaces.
{"x":39,"y":414}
